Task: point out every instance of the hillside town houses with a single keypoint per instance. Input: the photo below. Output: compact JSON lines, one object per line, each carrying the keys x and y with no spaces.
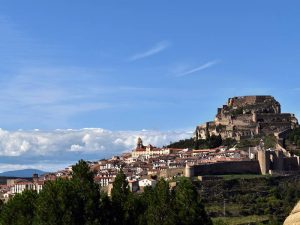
{"x":143,"y":166}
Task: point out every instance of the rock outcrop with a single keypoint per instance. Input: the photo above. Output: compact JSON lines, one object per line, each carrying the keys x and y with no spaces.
{"x":247,"y":116}
{"x":294,"y":217}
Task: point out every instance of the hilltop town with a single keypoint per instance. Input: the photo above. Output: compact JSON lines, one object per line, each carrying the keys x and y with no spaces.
{"x":242,"y":118}
{"x":246,"y":117}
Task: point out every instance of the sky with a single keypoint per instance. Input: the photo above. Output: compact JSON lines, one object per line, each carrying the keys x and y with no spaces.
{"x":84,"y":79}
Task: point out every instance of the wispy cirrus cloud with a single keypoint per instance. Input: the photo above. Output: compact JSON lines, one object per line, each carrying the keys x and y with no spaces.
{"x":50,"y":96}
{"x":159,"y":47}
{"x":198,"y":68}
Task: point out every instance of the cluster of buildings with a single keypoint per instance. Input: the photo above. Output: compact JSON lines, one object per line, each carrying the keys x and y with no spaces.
{"x":142,"y":167}
{"x":146,"y":164}
{"x":15,"y":186}
{"x":242,"y":117}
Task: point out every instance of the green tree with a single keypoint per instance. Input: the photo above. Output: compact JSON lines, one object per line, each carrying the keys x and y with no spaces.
{"x":214,"y":141}
{"x":133,"y":210}
{"x":119,"y":196}
{"x":186,"y":143}
{"x":160,"y":209}
{"x":19,"y":210}
{"x":70,"y":202}
{"x":270,"y":141}
{"x":107,"y":214}
{"x":229,"y":142}
{"x":189,"y":209}
{"x":57,"y":204}
{"x":87,"y":194}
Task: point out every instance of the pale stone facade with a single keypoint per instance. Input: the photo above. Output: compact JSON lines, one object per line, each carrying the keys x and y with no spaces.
{"x":294,"y":217}
{"x":247,"y":116}
{"x":150,"y":150}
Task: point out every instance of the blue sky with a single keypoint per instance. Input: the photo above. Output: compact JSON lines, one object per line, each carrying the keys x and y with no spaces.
{"x":133,"y":65}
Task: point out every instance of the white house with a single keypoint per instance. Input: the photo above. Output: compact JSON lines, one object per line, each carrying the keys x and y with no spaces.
{"x":147,"y":182}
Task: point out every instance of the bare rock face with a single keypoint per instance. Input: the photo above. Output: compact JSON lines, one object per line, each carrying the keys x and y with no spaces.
{"x":294,"y":217}
{"x":246,"y":116}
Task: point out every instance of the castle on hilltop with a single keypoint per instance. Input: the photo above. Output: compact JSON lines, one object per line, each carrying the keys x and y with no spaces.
{"x":247,"y":116}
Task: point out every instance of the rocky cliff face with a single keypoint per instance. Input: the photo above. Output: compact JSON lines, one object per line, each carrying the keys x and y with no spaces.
{"x":294,"y":217}
{"x":246,"y":116}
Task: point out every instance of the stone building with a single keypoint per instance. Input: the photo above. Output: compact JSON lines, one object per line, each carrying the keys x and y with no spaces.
{"x":265,"y":161}
{"x":149,"y":150}
{"x":247,"y":116}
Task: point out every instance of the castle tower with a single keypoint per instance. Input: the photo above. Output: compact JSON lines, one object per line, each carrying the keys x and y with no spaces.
{"x":189,"y":171}
{"x":263,"y":157}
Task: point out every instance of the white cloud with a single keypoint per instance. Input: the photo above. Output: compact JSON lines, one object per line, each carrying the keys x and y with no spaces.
{"x":199,"y":68}
{"x":154,"y":50}
{"x":71,"y":145}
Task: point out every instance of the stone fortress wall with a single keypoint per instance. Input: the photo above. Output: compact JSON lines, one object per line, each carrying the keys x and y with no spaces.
{"x":276,"y":117}
{"x":252,"y":100}
{"x":247,"y":116}
{"x":266,"y":161}
{"x":223,"y":168}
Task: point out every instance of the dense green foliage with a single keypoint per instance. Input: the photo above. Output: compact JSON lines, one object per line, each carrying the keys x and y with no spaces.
{"x":19,"y":210}
{"x":186,"y":143}
{"x":294,"y":137}
{"x":216,"y":141}
{"x":78,"y":201}
{"x":270,"y":141}
{"x":271,"y":198}
{"x":211,"y":142}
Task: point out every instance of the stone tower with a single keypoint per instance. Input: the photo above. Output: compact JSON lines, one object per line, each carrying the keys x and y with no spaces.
{"x":139,"y":143}
{"x":263,"y":157}
{"x":189,"y":171}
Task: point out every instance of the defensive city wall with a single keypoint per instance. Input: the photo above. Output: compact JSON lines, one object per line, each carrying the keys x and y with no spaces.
{"x":267,"y":162}
{"x":222,"y":168}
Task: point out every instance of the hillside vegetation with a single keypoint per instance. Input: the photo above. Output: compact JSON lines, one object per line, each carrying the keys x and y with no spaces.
{"x":211,"y":142}
{"x":292,"y":142}
{"x":216,"y":141}
{"x":257,"y":198}
{"x":78,"y":201}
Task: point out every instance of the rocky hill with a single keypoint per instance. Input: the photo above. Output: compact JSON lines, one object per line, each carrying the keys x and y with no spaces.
{"x":248,"y":116}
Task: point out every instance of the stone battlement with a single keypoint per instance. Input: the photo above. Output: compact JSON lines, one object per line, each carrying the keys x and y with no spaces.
{"x":246,"y":116}
{"x":249,"y":100}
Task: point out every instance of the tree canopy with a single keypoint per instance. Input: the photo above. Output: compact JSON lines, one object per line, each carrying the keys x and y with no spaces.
{"x":79,"y":201}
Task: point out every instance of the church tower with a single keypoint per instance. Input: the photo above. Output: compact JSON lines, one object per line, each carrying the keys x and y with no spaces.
{"x":139,"y":143}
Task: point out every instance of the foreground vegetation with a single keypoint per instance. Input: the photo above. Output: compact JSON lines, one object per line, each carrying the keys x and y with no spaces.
{"x":250,"y":199}
{"x":78,"y":201}
{"x":233,"y":199}
{"x":240,"y":220}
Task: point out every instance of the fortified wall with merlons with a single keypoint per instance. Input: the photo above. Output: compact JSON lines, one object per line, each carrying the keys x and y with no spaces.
{"x":248,"y":116}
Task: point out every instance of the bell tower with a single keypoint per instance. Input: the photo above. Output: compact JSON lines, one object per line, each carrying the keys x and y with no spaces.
{"x":139,"y":143}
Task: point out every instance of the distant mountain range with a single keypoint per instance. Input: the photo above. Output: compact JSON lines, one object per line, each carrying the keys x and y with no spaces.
{"x":22,"y":173}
